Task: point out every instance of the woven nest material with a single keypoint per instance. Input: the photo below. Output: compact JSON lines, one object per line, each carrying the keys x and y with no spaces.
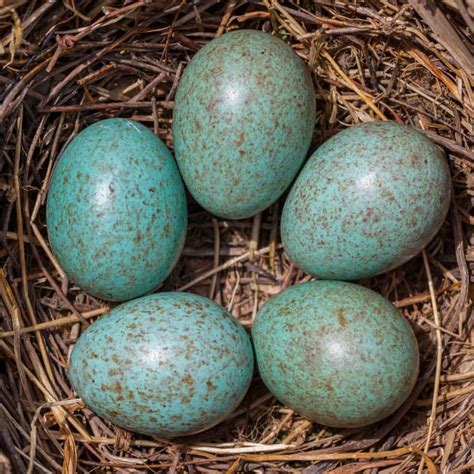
{"x":68,"y":63}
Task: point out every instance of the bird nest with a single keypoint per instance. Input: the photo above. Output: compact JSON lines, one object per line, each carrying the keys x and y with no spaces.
{"x":66,"y":64}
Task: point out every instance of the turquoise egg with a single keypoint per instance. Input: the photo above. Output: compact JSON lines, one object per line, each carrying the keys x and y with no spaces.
{"x":116,"y":210}
{"x":168,"y":364}
{"x":337,"y":353}
{"x":368,"y":200}
{"x":243,"y":119}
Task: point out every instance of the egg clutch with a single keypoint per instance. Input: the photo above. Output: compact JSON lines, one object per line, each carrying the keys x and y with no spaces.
{"x":366,"y":201}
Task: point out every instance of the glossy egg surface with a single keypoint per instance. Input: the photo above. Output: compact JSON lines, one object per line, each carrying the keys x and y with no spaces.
{"x":335,"y":352}
{"x":243,"y":120}
{"x":169,"y":364}
{"x":369,"y":199}
{"x":116,"y":210}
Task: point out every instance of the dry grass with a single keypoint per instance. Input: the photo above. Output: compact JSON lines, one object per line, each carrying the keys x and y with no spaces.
{"x":66,"y":64}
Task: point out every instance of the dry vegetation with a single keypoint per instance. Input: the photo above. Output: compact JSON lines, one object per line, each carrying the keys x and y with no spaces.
{"x":68,"y":63}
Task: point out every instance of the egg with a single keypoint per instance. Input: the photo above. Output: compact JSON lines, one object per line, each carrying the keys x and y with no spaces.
{"x":168,"y":364}
{"x":335,"y":352}
{"x":116,"y":210}
{"x":369,"y":199}
{"x":243,"y":120}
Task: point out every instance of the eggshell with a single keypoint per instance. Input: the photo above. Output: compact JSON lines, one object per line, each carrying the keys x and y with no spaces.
{"x":337,"y":353}
{"x":116,"y":210}
{"x":168,"y":364}
{"x":243,"y":119}
{"x":369,"y":199}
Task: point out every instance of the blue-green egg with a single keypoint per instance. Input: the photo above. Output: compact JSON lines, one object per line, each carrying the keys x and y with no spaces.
{"x":116,"y":210}
{"x":168,"y":364}
{"x":335,"y":352}
{"x":369,"y":199}
{"x":243,"y":120}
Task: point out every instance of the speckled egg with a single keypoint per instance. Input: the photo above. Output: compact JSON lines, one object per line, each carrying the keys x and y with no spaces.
{"x":168,"y":364}
{"x":116,"y":210}
{"x":337,"y":353}
{"x":243,"y":120}
{"x":368,"y":200}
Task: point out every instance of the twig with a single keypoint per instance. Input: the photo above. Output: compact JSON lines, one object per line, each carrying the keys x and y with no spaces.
{"x":148,"y":88}
{"x":102,"y":106}
{"x":66,"y":320}
{"x":257,"y":448}
{"x":439,"y":356}
{"x":217,"y":244}
{"x":319,"y":456}
{"x":225,"y":17}
{"x":254,"y":238}
{"x":351,"y":84}
{"x":445,"y":33}
{"x":224,"y":266}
